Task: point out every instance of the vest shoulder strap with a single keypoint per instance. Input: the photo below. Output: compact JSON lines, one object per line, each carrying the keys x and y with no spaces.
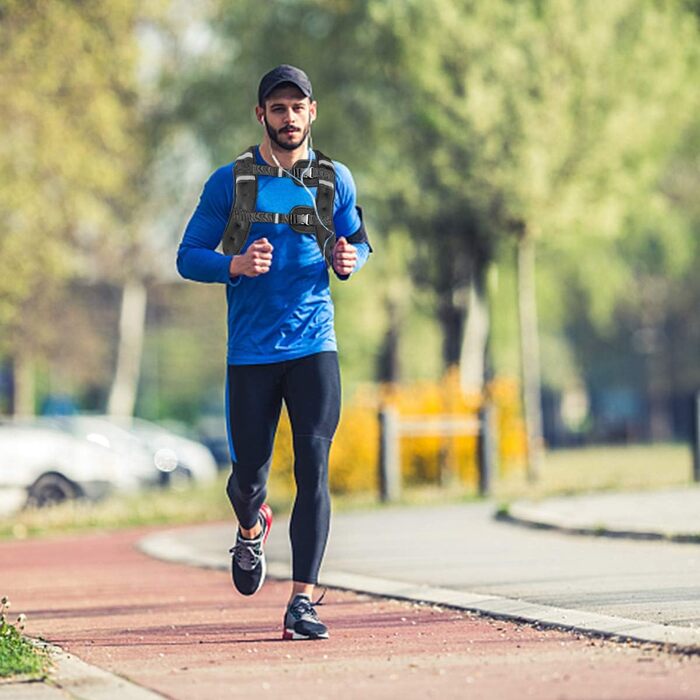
{"x":245,"y":188}
{"x":302,"y":219}
{"x":325,"y":201}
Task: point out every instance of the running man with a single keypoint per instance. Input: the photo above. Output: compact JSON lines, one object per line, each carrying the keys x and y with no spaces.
{"x":289,"y":215}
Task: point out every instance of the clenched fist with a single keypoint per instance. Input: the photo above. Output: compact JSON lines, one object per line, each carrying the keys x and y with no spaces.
{"x":255,"y":261}
{"x":344,"y":257}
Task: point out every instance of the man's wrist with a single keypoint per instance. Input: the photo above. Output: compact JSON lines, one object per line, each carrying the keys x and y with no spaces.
{"x":234,"y":266}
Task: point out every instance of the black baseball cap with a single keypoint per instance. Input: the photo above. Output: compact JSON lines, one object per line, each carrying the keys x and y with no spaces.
{"x":283,"y":74}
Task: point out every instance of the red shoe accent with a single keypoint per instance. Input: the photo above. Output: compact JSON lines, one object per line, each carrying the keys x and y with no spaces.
{"x":286,"y":634}
{"x":266,"y":512}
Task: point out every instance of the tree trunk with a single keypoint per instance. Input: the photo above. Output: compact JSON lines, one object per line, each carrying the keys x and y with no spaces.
{"x":389,"y":361}
{"x":530,"y":353}
{"x":451,"y":314}
{"x":658,"y":389}
{"x":472,"y":361}
{"x":657,"y":358}
{"x":132,"y":321}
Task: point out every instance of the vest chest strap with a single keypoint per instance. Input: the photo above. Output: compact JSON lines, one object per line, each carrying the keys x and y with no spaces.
{"x":317,"y":220}
{"x":266,"y":217}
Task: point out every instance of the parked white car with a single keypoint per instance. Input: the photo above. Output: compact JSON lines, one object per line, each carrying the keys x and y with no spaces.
{"x":40,"y":465}
{"x":161,"y":455}
{"x":49,"y":460}
{"x":193,"y":459}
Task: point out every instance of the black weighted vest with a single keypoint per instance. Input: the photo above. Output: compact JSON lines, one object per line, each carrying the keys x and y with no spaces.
{"x":320,"y":174}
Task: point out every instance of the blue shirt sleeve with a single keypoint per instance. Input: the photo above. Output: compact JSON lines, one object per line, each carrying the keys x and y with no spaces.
{"x":197,"y":257}
{"x":346,"y":217}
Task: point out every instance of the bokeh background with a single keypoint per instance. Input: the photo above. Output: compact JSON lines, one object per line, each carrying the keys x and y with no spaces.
{"x":530,"y":176}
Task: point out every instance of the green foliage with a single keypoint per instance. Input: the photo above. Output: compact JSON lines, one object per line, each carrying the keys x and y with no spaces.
{"x":384,"y":295}
{"x":558,"y":117}
{"x":68,"y":145}
{"x":17,"y":655}
{"x":464,"y":122}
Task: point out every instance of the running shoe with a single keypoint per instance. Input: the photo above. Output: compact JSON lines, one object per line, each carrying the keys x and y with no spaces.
{"x":301,"y":620}
{"x":248,"y":558}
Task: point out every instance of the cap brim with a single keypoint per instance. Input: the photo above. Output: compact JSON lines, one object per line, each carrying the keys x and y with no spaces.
{"x":286,"y":81}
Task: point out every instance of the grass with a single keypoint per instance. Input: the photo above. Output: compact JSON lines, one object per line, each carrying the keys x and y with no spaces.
{"x":609,"y":468}
{"x":202,"y":503}
{"x":563,"y":472}
{"x":18,"y":656}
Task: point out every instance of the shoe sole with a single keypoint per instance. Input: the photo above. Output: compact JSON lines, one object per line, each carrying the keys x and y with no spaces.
{"x":295,"y":636}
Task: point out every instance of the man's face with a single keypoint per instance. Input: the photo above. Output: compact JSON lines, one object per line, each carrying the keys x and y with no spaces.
{"x":288,"y":116}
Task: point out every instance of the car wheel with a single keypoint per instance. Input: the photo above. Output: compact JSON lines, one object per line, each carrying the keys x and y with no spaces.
{"x":51,"y":489}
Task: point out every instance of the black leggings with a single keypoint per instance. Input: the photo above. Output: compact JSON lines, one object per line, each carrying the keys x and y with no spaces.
{"x":310,"y":388}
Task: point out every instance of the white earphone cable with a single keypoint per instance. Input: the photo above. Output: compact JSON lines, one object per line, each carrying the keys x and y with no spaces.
{"x":301,"y":182}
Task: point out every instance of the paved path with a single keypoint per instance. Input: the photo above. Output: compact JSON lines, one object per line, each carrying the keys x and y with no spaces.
{"x":672,"y":514}
{"x":183,"y":633}
{"x":644,"y":589}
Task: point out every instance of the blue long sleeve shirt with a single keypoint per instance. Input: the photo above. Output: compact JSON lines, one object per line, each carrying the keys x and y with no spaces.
{"x":287,"y":312}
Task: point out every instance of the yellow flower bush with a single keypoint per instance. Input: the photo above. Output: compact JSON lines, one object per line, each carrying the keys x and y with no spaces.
{"x":354,"y":462}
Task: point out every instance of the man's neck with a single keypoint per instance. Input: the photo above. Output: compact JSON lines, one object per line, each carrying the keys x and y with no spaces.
{"x":269,"y":151}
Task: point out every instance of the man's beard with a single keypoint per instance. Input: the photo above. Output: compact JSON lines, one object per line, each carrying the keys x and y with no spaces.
{"x":288,"y":145}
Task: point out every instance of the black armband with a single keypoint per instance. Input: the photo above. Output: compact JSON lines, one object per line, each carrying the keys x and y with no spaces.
{"x":360,"y":236}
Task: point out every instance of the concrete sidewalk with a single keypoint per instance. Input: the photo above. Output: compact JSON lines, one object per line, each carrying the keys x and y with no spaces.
{"x":672,"y":514}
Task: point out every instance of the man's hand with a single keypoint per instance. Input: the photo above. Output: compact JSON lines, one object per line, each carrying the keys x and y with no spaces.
{"x":344,"y":257}
{"x":255,"y":261}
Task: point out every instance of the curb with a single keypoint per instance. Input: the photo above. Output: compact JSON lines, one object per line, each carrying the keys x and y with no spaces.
{"x":76,"y":679}
{"x":167,"y":547}
{"x":681,"y":639}
{"x":86,"y":682}
{"x":533,"y":516}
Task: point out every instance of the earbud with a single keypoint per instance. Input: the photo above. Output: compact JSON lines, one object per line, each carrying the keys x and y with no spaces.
{"x":262,"y":119}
